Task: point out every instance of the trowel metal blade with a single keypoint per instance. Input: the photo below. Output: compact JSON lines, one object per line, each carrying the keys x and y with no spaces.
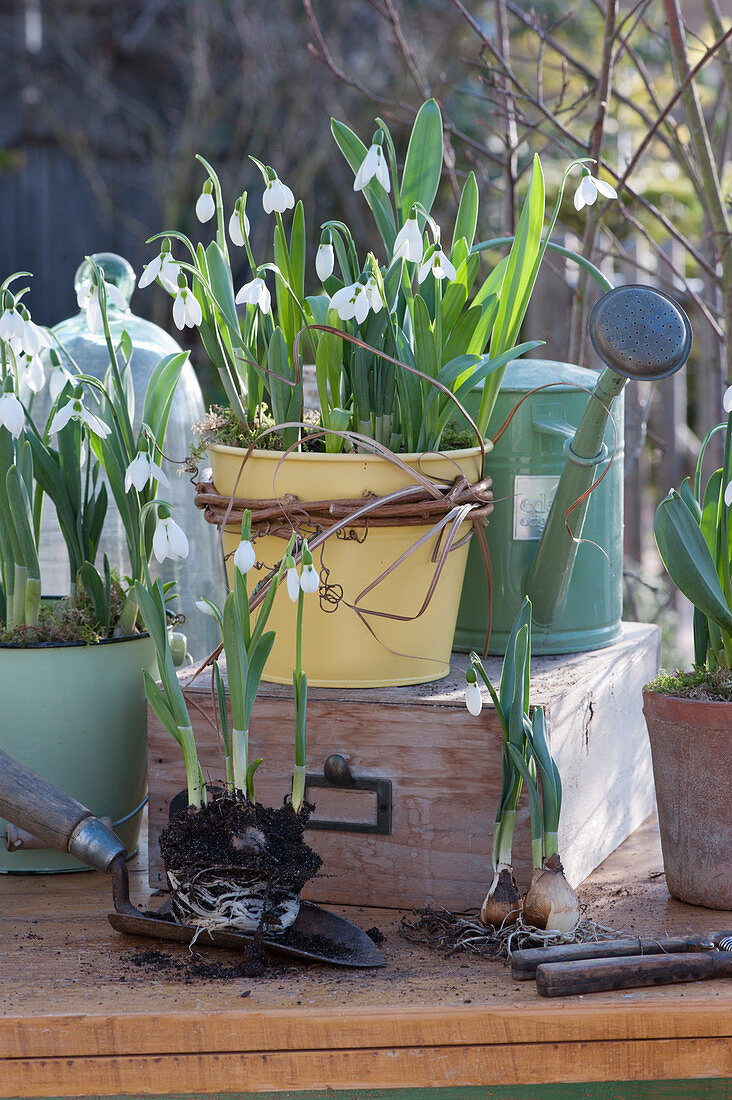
{"x":353,"y":948}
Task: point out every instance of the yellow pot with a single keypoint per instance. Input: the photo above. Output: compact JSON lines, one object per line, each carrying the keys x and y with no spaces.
{"x":339,"y":650}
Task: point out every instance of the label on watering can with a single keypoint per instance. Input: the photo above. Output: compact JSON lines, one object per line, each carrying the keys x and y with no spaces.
{"x":532,"y":499}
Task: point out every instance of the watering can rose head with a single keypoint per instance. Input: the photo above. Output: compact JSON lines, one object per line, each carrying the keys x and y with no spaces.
{"x":398,"y":336}
{"x":692,"y":528}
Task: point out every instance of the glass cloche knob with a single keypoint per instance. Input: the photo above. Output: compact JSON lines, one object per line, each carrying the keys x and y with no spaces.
{"x":116,"y":270}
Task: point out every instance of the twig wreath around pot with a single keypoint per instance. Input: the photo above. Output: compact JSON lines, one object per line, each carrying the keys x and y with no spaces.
{"x":232,"y":863}
{"x":689,"y":714}
{"x":397,"y":343}
{"x":71,"y":669}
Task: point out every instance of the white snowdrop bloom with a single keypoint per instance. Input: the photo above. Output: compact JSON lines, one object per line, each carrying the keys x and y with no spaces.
{"x":88,"y":300}
{"x":351,"y":302}
{"x":473,"y":698}
{"x":12,"y":415}
{"x":255,"y":293}
{"x":169,"y":540}
{"x":727,"y":400}
{"x":590,"y":187}
{"x":32,"y":374}
{"x":728,"y":495}
{"x":292,"y":579}
{"x":309,"y":579}
{"x":324,"y":261}
{"x":59,"y":378}
{"x":373,"y":166}
{"x":244,"y":556}
{"x":162,"y":267}
{"x":142,"y":470}
{"x":205,"y":205}
{"x":205,"y":607}
{"x":35,"y":338}
{"x":277,"y":196}
{"x":75,"y":410}
{"x":12,"y":325}
{"x":374,"y":294}
{"x":438,"y":264}
{"x":186,"y":308}
{"x":235,"y":221}
{"x":408,"y":243}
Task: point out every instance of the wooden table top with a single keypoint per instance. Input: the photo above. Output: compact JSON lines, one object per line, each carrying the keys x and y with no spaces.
{"x":78,"y":1017}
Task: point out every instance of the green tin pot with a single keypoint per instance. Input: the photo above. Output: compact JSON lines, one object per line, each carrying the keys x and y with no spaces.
{"x":525,"y":465}
{"x":77,"y":715}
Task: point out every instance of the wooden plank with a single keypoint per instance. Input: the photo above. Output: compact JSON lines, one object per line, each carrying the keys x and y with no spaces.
{"x":392,"y":1067}
{"x":445,"y":771}
{"x":621,"y":1090}
{"x":253,"y":1031}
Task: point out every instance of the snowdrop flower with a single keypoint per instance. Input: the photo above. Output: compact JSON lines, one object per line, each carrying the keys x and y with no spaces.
{"x":244,"y":556}
{"x":438,"y":264}
{"x":235,"y":221}
{"x":727,"y":400}
{"x":408,"y":243}
{"x":373,"y":293}
{"x":590,"y":187}
{"x":277,"y":195}
{"x":12,"y":415}
{"x":206,"y":607}
{"x":162,"y":267}
{"x":186,"y":307}
{"x":75,"y":410}
{"x":473,"y":698}
{"x":728,"y":495}
{"x":324,"y":258}
{"x":205,"y":206}
{"x":169,"y":540}
{"x":142,"y":470}
{"x":34,"y":338}
{"x":12,"y":325}
{"x":255,"y":293}
{"x":309,"y":579}
{"x":32,"y":375}
{"x":293,"y":581}
{"x":60,"y":377}
{"x":88,"y":300}
{"x":373,"y":166}
{"x":350,"y":302}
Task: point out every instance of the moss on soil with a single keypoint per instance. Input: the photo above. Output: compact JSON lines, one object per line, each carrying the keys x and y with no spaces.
{"x":709,"y":685}
{"x":221,"y":427}
{"x":64,"y":621}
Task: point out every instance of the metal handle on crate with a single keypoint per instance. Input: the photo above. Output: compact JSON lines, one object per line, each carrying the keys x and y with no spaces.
{"x":337,"y":776}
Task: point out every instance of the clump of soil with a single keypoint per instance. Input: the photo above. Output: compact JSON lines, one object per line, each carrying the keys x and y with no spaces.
{"x":157,"y":962}
{"x":229,"y":844}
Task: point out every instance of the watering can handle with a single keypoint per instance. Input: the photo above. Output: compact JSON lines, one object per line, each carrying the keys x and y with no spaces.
{"x":54,"y":817}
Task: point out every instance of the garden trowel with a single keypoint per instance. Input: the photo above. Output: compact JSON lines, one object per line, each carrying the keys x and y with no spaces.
{"x":61,"y":822}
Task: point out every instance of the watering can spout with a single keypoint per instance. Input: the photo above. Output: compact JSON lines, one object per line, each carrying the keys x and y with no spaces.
{"x":638,"y":333}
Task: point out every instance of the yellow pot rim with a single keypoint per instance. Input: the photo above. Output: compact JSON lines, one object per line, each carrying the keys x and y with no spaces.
{"x":309,"y":456}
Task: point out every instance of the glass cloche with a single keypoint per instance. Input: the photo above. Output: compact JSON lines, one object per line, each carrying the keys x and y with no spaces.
{"x":199,"y":574}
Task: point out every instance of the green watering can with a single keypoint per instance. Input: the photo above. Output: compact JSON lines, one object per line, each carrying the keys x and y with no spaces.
{"x":541,"y":466}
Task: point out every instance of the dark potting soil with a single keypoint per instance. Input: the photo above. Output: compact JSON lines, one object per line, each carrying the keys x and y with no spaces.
{"x":157,"y":962}
{"x":230,"y":834}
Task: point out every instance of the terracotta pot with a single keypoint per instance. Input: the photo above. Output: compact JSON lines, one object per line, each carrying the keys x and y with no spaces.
{"x":692,"y":766}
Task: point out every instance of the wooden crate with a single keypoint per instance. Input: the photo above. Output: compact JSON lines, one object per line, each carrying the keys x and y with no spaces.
{"x":444,"y":771}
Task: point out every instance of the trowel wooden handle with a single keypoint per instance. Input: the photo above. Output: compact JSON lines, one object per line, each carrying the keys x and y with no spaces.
{"x":524,"y":962}
{"x":54,"y":817}
{"x":36,"y":805}
{"x":598,"y":975}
